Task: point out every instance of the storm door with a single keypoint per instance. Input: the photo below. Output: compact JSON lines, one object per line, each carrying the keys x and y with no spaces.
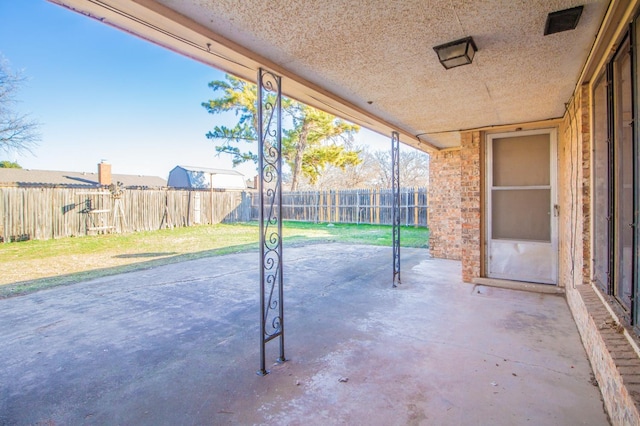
{"x":521,"y":210}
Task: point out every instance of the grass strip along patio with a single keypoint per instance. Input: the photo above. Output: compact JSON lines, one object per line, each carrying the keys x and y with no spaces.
{"x":34,"y":265}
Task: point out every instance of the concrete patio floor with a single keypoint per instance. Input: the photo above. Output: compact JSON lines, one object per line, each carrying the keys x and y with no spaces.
{"x":179,"y":345}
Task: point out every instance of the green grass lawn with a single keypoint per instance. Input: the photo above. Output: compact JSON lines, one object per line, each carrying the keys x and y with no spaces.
{"x":363,"y":234}
{"x":31,"y":265}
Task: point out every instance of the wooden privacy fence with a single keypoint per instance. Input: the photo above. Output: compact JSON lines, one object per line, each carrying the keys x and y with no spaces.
{"x":373,"y":206}
{"x":52,"y":212}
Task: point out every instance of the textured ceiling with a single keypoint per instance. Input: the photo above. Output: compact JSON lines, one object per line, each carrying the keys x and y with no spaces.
{"x":372,"y":61}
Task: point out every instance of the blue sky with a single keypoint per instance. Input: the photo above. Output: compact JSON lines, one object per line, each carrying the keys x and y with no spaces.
{"x":100,"y":93}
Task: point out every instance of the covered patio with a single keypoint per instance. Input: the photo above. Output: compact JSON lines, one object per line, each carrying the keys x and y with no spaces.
{"x":178,"y":345}
{"x":566,"y":96}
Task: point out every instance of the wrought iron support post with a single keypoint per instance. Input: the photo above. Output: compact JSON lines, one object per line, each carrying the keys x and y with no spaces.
{"x":270,"y":189}
{"x":395,"y":186}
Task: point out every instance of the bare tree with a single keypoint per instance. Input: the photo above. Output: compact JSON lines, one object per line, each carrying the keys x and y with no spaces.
{"x":414,"y":168}
{"x":375,"y":171}
{"x":18,"y":132}
{"x":361,"y":175}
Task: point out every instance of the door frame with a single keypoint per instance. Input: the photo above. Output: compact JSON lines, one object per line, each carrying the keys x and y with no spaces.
{"x":554,"y":211}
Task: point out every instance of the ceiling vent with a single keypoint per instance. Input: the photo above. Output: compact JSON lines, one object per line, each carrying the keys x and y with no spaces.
{"x":563,"y":20}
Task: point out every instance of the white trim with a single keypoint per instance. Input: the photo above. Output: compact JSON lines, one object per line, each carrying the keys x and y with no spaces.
{"x":532,"y":242}
{"x":531,"y":187}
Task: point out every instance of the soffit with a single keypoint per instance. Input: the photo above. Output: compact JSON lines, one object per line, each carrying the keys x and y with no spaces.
{"x":372,"y":61}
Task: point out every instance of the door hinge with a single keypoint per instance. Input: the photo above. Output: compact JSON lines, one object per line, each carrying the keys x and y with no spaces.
{"x":556,"y":210}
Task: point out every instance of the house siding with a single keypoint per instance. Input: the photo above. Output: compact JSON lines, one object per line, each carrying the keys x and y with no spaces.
{"x":615,"y":363}
{"x":571,"y":225}
{"x":444,"y":205}
{"x":585,"y":135}
{"x":457,"y":205}
{"x":611,"y":345}
{"x":455,"y":200}
{"x":470,"y":205}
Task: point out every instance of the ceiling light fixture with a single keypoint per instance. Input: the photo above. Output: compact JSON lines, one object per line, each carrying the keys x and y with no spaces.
{"x":456,"y":53}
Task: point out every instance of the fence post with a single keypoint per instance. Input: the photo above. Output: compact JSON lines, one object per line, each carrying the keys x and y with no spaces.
{"x":428,"y":212}
{"x":378,"y":201}
{"x":357,"y":207}
{"x":327,"y":204}
{"x":317,"y":198}
{"x":406,"y":199}
{"x":416,"y":219}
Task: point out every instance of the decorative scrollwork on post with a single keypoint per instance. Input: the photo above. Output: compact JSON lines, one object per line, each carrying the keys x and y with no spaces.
{"x":270,"y":189}
{"x":395,"y":186}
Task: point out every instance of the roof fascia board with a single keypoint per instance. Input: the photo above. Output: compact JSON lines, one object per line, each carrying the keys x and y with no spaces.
{"x":614,"y":25}
{"x":165,"y":27}
{"x":530,"y":125}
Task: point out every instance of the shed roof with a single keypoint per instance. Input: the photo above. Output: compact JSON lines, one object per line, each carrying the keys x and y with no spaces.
{"x":212,"y":170}
{"x":27,"y":177}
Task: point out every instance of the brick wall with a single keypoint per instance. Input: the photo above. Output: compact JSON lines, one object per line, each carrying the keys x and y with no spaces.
{"x":455,"y":198}
{"x":615,"y":363}
{"x":470,"y":204}
{"x":585,"y":141}
{"x":444,"y":204}
{"x":573,"y":196}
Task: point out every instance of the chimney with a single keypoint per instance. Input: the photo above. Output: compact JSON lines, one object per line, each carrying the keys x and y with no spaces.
{"x":104,"y":173}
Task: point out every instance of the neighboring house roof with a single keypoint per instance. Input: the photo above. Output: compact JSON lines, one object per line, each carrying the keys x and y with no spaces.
{"x":205,"y":178}
{"x":25,"y":177}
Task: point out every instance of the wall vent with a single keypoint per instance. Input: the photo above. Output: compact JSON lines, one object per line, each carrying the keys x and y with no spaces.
{"x":562,"y":20}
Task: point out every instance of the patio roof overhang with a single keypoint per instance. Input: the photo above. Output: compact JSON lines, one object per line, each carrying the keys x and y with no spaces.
{"x":373,"y":63}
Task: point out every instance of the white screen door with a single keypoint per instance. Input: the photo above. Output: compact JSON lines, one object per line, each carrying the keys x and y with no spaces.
{"x":521,"y":215}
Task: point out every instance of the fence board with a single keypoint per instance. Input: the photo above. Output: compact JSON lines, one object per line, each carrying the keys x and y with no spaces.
{"x":54,"y":212}
{"x":372,"y":206}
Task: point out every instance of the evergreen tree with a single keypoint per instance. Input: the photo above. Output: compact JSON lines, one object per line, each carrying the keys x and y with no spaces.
{"x":315,"y":140}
